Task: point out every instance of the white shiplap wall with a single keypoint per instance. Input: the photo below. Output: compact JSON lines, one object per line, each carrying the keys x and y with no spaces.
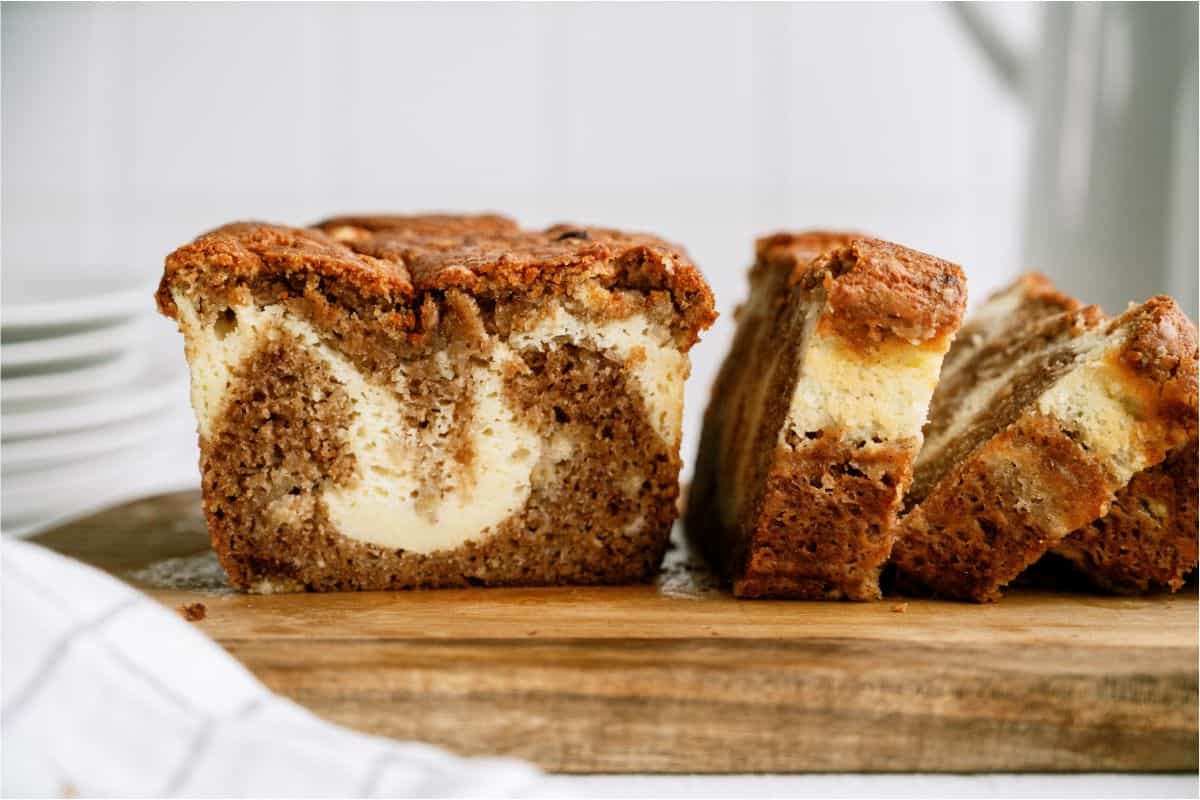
{"x":127,"y":129}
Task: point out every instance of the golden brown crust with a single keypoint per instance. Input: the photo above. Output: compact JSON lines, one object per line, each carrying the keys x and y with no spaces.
{"x":1160,"y":355}
{"x":794,"y":252}
{"x":877,"y":290}
{"x":237,"y":254}
{"x":391,"y":263}
{"x":428,"y":224}
{"x":1041,"y":292}
{"x":1037,"y":290}
{"x":874,"y":289}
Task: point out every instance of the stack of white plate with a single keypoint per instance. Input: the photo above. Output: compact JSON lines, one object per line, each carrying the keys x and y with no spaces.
{"x":87,"y":381}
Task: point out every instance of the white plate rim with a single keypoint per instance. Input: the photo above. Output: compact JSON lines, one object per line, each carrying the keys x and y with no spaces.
{"x":89,"y":378}
{"x":38,"y":452}
{"x":94,"y":488}
{"x":115,"y":304}
{"x":94,"y":414}
{"x":74,"y":346}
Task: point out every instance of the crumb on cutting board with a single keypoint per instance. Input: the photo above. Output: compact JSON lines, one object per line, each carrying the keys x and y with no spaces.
{"x":900,"y":608}
{"x":192,"y":612}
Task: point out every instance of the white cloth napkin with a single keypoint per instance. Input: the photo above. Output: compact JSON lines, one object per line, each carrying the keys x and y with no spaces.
{"x":106,"y":693}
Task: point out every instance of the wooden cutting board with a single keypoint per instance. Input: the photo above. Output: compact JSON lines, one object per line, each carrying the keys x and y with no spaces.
{"x":679,"y":677}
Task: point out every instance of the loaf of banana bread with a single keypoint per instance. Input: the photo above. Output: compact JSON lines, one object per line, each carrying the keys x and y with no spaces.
{"x":431,"y":401}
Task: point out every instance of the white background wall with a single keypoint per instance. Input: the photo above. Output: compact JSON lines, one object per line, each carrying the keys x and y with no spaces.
{"x":128,"y":129}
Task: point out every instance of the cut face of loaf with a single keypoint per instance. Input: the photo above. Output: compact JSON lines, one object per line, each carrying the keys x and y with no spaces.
{"x":435,"y":401}
{"x":1148,"y":538}
{"x":1040,"y":418}
{"x":816,"y":414}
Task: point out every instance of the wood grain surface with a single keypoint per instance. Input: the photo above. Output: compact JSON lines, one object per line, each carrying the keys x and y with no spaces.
{"x":677,"y":676}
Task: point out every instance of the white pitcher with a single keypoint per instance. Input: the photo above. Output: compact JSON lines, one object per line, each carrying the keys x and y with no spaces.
{"x":1111,"y":211}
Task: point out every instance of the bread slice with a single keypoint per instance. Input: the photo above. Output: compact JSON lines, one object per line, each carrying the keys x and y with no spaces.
{"x":394,"y":402}
{"x":1148,"y":538}
{"x":1044,"y":412}
{"x":1147,"y":541}
{"x":816,"y":415}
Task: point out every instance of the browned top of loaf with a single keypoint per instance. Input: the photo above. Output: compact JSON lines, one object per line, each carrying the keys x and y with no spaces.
{"x":1036,"y":288}
{"x":400,"y":259}
{"x":794,"y":252}
{"x":431,"y":224}
{"x":874,"y":290}
{"x":1161,"y":349}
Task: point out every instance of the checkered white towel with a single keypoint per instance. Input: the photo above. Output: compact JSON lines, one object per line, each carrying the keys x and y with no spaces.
{"x":107,"y":693}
